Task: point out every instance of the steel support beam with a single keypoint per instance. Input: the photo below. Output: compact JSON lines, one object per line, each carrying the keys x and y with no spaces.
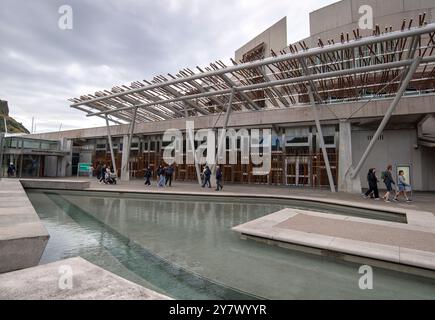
{"x":311,"y":87}
{"x":225,"y":125}
{"x":284,"y":102}
{"x":321,"y":139}
{"x":112,"y":153}
{"x":125,"y":168}
{"x":286,"y":57}
{"x":221,"y":142}
{"x":405,"y":83}
{"x":380,"y":67}
{"x":233,"y":85}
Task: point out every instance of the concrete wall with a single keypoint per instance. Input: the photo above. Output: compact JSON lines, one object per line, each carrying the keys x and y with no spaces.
{"x":329,"y":22}
{"x":275,"y":38}
{"x":50,"y":166}
{"x":55,"y":184}
{"x":428,"y":168}
{"x":396,"y":147}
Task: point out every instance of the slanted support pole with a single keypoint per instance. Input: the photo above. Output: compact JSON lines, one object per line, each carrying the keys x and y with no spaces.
{"x":321,"y":139}
{"x":221,"y":142}
{"x":190,"y":143}
{"x":310,"y":87}
{"x":112,"y":153}
{"x":354,"y":172}
{"x":125,"y":174}
{"x":225,"y":125}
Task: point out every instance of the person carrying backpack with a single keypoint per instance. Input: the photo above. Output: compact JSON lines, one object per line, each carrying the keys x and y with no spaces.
{"x":387,"y":177}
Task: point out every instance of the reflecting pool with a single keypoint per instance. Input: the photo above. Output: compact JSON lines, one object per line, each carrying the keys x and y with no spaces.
{"x":184,"y":247}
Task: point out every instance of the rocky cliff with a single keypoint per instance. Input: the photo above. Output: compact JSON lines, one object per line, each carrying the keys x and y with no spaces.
{"x":13,"y":125}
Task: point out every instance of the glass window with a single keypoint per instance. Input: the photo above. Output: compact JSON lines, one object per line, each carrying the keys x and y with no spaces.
{"x":31,"y":144}
{"x":329,"y":140}
{"x":297,"y":136}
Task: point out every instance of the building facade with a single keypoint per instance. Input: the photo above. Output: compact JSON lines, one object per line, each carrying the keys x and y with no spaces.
{"x":407,"y":142}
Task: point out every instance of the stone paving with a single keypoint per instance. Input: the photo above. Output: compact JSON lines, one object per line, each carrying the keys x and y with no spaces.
{"x":23,"y":237}
{"x":423,"y":201}
{"x":87,"y":282}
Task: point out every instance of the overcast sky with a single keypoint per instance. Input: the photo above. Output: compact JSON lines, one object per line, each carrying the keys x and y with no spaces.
{"x":119,"y":41}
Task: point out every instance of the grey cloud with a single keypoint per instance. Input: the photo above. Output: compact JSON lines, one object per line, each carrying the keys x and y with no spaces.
{"x":116,"y":42}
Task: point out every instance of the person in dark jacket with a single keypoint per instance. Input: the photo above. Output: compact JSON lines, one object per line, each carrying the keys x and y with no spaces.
{"x":11,"y":170}
{"x":219,"y":179}
{"x":99,"y":171}
{"x":389,"y":181}
{"x":169,"y":174}
{"x":103,"y":173}
{"x":147,"y":176}
{"x":373,"y":185}
{"x":161,"y":176}
{"x":207,"y":175}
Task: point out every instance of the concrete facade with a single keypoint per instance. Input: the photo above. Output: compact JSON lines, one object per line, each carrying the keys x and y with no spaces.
{"x":346,"y":17}
{"x":274,"y":38}
{"x":401,"y":144}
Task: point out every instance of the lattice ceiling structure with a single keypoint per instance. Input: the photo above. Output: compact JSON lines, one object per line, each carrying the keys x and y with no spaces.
{"x":351,"y":70}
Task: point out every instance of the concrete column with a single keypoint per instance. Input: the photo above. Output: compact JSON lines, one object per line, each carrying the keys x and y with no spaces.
{"x":64,"y":163}
{"x":125,"y":172}
{"x":345,"y":182}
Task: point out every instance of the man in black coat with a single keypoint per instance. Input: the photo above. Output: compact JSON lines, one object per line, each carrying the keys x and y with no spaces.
{"x":169,"y":174}
{"x":373,"y":184}
{"x":147,"y":176}
{"x":219,"y":179}
{"x":207,"y":175}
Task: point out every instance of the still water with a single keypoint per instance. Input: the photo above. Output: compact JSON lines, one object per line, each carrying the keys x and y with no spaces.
{"x":184,"y":247}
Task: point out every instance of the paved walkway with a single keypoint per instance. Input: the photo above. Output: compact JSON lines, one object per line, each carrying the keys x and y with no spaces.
{"x":87,"y":281}
{"x":422,"y":201}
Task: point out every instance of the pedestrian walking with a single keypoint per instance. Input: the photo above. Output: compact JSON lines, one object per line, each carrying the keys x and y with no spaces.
{"x":403,"y":187}
{"x":207,"y":175}
{"x":169,"y":174}
{"x":99,"y":167}
{"x":103,"y":173}
{"x":372,"y":180}
{"x":161,"y":176}
{"x":219,"y":179}
{"x":147,"y":176}
{"x":11,"y":170}
{"x":387,"y":177}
